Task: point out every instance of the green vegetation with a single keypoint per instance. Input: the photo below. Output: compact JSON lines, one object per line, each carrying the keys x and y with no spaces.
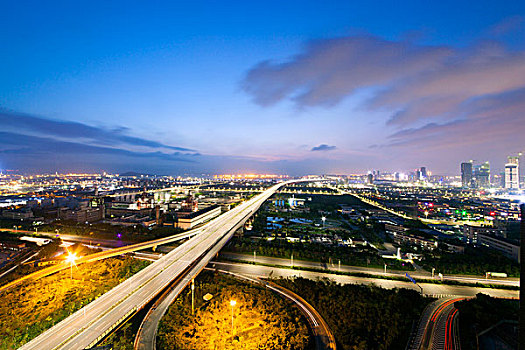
{"x":262,"y":320}
{"x":124,"y":337}
{"x":362,"y":317}
{"x":31,"y":308}
{"x":378,"y":276}
{"x":513,"y":230}
{"x":332,"y":203}
{"x":315,"y":240}
{"x":354,"y":256}
{"x":482,"y":312}
{"x":475,"y":261}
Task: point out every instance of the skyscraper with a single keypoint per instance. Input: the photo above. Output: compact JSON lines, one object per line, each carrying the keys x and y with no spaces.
{"x":482,"y":175}
{"x":423,"y":171}
{"x":512,"y":176}
{"x":466,"y":174}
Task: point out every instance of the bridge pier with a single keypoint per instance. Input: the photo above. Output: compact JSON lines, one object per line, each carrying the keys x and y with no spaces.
{"x":239,"y":232}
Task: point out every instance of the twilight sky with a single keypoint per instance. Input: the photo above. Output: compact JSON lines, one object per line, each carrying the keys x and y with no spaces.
{"x":289,"y":87}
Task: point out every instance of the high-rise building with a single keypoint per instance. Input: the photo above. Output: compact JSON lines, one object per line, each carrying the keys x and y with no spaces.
{"x":512,"y":174}
{"x":522,"y":230}
{"x":482,"y":175}
{"x":423,"y":171}
{"x":466,"y":174}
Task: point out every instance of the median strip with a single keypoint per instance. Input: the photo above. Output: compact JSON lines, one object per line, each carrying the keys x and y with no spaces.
{"x":369,"y":275}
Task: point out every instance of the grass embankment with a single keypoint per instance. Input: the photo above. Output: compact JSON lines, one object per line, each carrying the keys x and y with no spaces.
{"x":362,"y":317}
{"x":124,"y":337}
{"x":31,"y":308}
{"x":262,"y":320}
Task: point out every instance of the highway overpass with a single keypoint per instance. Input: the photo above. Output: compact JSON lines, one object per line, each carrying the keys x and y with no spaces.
{"x":89,"y":325}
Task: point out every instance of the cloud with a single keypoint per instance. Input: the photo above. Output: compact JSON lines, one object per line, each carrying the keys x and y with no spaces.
{"x":492,"y":122}
{"x":34,"y":143}
{"x":330,"y":70}
{"x":507,"y":25}
{"x":38,"y":145}
{"x":463,"y":99}
{"x":418,"y":81}
{"x":75,"y":131}
{"x":323,"y":147}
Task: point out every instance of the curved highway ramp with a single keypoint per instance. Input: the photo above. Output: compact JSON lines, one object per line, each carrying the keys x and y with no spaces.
{"x":86,"y":327}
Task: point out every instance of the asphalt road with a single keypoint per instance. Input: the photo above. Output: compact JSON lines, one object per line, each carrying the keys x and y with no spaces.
{"x":99,"y":256}
{"x":90,"y":324}
{"x":324,"y":338}
{"x":74,"y":238}
{"x":334,"y":266}
{"x":437,"y":290}
{"x":147,"y":334}
{"x":438,"y":327}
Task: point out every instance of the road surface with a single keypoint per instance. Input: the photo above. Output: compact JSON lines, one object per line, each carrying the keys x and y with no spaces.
{"x":430,"y":289}
{"x":89,"y":325}
{"x":101,"y":255}
{"x":438,"y":327}
{"x":73,"y":238}
{"x":324,"y":338}
{"x":368,"y":270}
{"x":147,"y":334}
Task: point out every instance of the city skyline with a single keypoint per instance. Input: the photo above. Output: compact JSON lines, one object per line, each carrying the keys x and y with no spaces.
{"x":261,"y":174}
{"x":292,"y":88}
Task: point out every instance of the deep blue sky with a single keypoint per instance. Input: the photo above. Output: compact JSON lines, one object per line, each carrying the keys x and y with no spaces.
{"x":271,"y":86}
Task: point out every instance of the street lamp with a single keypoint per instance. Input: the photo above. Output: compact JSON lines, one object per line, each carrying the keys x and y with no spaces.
{"x":232,"y":304}
{"x":324,"y":219}
{"x":71,"y":260}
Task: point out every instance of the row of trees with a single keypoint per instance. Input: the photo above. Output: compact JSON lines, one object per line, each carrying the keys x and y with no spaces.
{"x":482,"y":312}
{"x":102,"y":230}
{"x":362,"y":317}
{"x":475,"y":261}
{"x":358,"y":256}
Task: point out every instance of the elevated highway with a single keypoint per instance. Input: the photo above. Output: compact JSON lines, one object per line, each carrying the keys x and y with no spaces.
{"x":147,"y":334}
{"x":101,"y":255}
{"x":86,"y":327}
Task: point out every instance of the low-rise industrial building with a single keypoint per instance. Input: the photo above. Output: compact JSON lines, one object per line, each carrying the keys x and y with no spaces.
{"x":411,"y":239}
{"x":471,"y":232}
{"x":401,"y":235}
{"x":81,"y":215}
{"x":18,"y":214}
{"x":506,"y":246}
{"x":193,"y":219}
